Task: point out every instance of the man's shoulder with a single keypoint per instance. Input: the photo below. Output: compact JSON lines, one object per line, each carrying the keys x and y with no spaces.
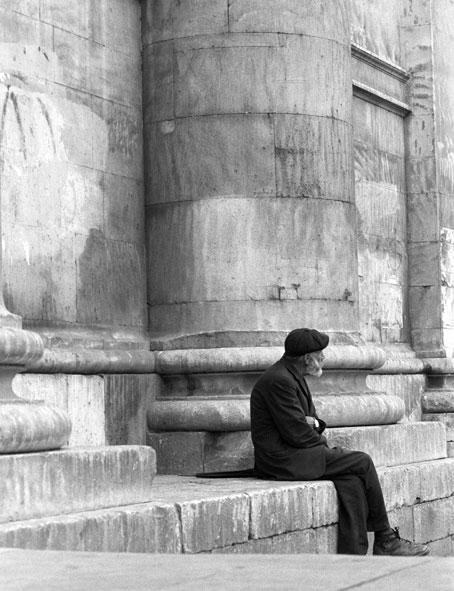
{"x":275,"y":374}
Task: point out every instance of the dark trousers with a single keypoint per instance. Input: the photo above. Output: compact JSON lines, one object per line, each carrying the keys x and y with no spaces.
{"x":361,"y":504}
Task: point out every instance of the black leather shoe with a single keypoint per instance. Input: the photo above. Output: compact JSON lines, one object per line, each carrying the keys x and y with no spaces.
{"x":393,"y":545}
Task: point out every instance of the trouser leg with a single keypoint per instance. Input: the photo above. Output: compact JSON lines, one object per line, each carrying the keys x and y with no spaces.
{"x":361,"y":504}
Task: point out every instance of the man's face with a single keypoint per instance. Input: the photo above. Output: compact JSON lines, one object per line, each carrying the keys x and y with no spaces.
{"x":314,"y":363}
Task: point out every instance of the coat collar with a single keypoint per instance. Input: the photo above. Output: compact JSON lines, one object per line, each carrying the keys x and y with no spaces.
{"x":294,"y":367}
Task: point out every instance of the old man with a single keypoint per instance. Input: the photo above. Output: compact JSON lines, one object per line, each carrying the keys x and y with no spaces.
{"x":289,"y":445}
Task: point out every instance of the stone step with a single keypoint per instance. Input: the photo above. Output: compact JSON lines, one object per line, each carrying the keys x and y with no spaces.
{"x":187,"y":453}
{"x":190,"y":515}
{"x":74,"y":479}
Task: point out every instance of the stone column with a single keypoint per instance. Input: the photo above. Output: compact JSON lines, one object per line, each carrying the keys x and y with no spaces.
{"x":428,"y":33}
{"x":24,"y":426}
{"x":249,"y":189}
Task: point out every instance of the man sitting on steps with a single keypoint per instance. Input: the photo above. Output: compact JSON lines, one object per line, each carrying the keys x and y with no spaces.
{"x":289,"y":445}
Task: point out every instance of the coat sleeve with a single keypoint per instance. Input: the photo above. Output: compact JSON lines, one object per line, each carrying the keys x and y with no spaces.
{"x":289,"y":416}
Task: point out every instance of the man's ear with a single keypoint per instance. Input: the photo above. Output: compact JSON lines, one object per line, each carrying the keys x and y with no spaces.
{"x":307,"y":358}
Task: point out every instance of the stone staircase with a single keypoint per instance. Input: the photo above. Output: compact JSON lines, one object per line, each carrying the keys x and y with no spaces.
{"x":118,"y":506}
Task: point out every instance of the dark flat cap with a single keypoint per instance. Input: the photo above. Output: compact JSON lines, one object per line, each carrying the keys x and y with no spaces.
{"x":305,"y":340}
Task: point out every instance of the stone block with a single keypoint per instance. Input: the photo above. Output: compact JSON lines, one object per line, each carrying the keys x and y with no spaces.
{"x":192,"y":226}
{"x":438,"y":401}
{"x":116,"y":24}
{"x":81,"y":133}
{"x":178,"y":452}
{"x":421,"y":175}
{"x":443,"y":547}
{"x":450,"y":449}
{"x":295,"y":507}
{"x":74,"y":58}
{"x":214,"y":523}
{"x":297,"y":542}
{"x":403,"y":519}
{"x":425,"y":263}
{"x":428,"y":341}
{"x":307,"y":64}
{"x":136,"y":528}
{"x":314,"y":19}
{"x":376,"y":202}
{"x":421,"y":482}
{"x":301,"y":170}
{"x":123,"y":208}
{"x":391,"y":445}
{"x":326,"y":539}
{"x":408,"y":387}
{"x":425,"y":305}
{"x":422,"y":217}
{"x":237,"y":76}
{"x":103,"y":409}
{"x":82,"y":201}
{"x":158,"y":83}
{"x":190,"y":163}
{"x":42,"y":484}
{"x":117,"y":138}
{"x":119,"y":298}
{"x":421,"y":131}
{"x":164,"y":19}
{"x":435,"y":520}
{"x":104,"y":80}
{"x":38,"y":257}
{"x":447,"y":418}
{"x":127,"y":399}
{"x":228,"y":451}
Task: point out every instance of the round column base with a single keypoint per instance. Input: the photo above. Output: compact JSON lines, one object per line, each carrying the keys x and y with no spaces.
{"x":31,"y":426}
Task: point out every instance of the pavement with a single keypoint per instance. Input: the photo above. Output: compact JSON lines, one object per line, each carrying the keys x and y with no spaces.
{"x":35,"y":570}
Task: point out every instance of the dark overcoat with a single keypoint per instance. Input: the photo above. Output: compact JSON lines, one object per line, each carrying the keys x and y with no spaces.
{"x":286,"y":446}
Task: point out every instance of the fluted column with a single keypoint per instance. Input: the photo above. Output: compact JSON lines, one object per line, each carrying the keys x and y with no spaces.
{"x":250,"y":204}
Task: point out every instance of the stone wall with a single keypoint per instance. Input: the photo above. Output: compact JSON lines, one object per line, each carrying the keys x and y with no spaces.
{"x":71,"y":168}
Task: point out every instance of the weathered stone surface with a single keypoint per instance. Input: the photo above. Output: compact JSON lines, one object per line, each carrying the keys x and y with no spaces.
{"x":178,"y":453}
{"x":391,"y":445}
{"x":247,"y":142}
{"x":158,"y":99}
{"x":71,"y":480}
{"x":199,"y":224}
{"x":421,"y":482}
{"x":409,"y":388}
{"x":244,"y":66}
{"x":375,"y":32}
{"x":424,"y":269}
{"x":422,"y":211}
{"x":279,"y":511}
{"x":434,"y":521}
{"x":213,"y":523}
{"x":200,"y":362}
{"x":228,"y":451}
{"x":30,"y":427}
{"x":137,"y":528}
{"x":232,"y":413}
{"x":310,"y":18}
{"x":168,"y":20}
{"x":443,"y":417}
{"x":104,"y":410}
{"x":301,"y":170}
{"x":438,"y":401}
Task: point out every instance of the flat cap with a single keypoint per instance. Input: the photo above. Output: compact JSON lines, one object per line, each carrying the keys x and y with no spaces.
{"x":305,"y":340}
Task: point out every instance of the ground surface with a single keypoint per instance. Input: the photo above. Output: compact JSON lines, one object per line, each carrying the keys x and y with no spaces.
{"x":27,"y":570}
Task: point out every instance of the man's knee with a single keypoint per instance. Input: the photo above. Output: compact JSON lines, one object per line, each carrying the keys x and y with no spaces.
{"x":364,"y":460}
